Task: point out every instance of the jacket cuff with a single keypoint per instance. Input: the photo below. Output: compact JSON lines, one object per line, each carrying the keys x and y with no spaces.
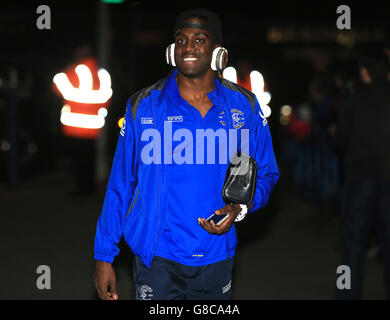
{"x":103,"y":257}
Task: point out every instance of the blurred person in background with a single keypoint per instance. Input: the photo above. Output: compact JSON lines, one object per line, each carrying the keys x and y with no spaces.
{"x":315,"y":164}
{"x":343,"y":83}
{"x":363,"y":136}
{"x":321,"y":94}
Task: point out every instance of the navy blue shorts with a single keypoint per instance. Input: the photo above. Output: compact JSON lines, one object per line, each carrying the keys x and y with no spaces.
{"x":169,"y":280}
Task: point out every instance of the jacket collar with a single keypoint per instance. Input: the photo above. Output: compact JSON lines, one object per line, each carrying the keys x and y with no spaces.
{"x":171,"y":92}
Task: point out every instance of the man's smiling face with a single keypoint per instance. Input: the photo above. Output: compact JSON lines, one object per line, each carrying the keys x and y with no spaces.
{"x":193,"y":50}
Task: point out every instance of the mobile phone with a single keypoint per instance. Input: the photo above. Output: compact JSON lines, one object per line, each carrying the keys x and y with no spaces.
{"x":218,"y":218}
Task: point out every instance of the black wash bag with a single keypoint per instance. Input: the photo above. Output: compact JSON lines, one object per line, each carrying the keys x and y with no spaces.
{"x":240,"y":180}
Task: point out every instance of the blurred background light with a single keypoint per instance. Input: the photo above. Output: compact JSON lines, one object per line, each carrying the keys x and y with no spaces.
{"x":80,"y":120}
{"x":230,"y":74}
{"x":120,"y":122}
{"x":285,"y":110}
{"x":257,"y":82}
{"x":85,"y":93}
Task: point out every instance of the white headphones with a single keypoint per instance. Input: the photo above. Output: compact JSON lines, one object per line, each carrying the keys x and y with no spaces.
{"x":218,"y":60}
{"x":170,"y":54}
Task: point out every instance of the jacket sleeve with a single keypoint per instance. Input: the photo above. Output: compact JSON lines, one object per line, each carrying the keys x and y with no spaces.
{"x":119,"y":193}
{"x":262,"y":151}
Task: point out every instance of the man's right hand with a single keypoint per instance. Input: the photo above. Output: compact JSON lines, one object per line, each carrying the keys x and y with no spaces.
{"x":105,"y":281}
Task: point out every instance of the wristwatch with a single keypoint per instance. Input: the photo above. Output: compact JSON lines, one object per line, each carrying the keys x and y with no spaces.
{"x":243,"y":212}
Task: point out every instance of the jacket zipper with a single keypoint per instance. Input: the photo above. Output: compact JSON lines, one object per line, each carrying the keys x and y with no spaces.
{"x":159,"y":183}
{"x":131,"y":207}
{"x":228,"y":126}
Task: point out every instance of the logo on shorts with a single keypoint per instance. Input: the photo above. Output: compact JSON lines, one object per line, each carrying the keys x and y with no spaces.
{"x":227,"y":287}
{"x":145,"y":292}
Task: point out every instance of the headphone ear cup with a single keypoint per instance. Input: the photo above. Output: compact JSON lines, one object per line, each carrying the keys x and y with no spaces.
{"x":218,"y":59}
{"x":214,"y":59}
{"x":170,"y":54}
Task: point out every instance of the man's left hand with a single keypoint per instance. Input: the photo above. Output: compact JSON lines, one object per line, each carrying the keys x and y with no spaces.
{"x":232,"y":209}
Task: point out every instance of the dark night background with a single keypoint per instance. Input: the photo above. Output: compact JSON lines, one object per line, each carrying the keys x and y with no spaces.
{"x":290,"y":250}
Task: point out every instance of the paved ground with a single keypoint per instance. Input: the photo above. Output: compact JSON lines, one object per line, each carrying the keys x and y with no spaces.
{"x":289,"y":250}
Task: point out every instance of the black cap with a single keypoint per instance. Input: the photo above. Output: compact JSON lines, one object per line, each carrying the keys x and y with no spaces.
{"x":211,"y":22}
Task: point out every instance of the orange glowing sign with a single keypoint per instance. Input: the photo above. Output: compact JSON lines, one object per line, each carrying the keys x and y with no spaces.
{"x":85,"y":108}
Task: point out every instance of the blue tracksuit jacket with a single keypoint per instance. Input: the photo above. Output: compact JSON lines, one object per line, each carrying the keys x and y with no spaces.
{"x":169,"y":168}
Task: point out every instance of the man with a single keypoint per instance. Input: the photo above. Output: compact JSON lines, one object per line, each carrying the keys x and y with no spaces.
{"x":363,"y":136}
{"x":162,"y":189}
